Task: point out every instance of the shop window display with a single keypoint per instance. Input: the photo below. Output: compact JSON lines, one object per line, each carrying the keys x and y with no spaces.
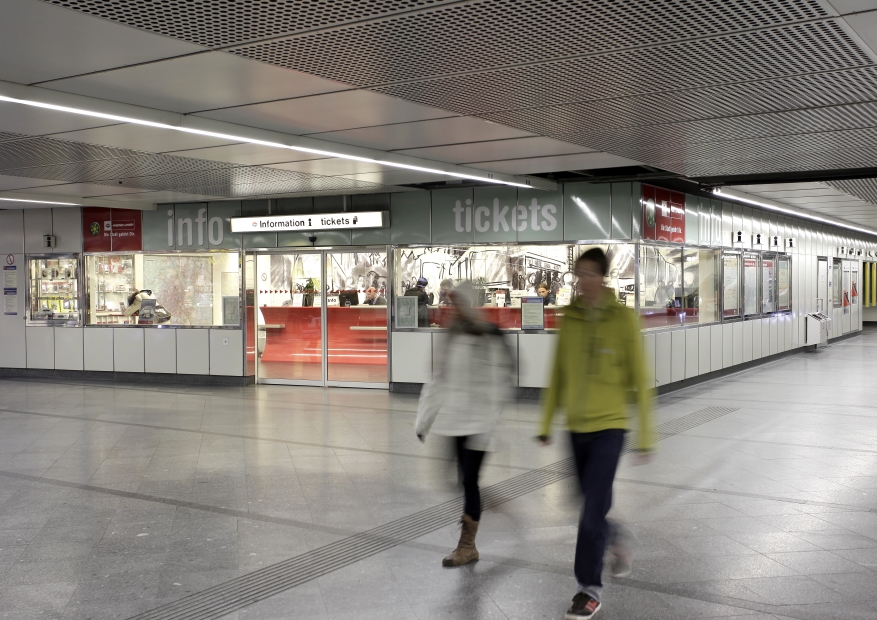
{"x":731,"y":302}
{"x":784,"y":284}
{"x":195,"y":289}
{"x":700,"y":286}
{"x":768,"y":283}
{"x":661,"y":295}
{"x":54,"y":290}
{"x":503,"y":275}
{"x":751,"y":287}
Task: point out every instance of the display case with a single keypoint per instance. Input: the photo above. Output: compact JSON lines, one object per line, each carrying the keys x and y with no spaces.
{"x":53,"y":290}
{"x":111,"y":281}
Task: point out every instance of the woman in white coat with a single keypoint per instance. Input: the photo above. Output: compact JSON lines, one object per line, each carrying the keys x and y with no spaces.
{"x":470,"y":386}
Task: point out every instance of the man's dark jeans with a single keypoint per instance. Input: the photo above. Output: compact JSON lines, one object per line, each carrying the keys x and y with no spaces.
{"x":596,"y":456}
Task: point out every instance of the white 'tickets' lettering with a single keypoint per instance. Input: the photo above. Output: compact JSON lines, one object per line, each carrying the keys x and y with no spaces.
{"x":170,"y":229}
{"x":458,"y":223}
{"x":535,"y":216}
{"x":479,"y":225}
{"x":499,"y":216}
{"x":549,"y":222}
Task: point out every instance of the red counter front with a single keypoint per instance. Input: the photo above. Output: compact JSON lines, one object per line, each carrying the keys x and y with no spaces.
{"x":357,"y":343}
{"x":505,"y":318}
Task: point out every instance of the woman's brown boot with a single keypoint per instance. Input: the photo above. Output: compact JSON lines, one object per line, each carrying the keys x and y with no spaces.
{"x":465,"y":551}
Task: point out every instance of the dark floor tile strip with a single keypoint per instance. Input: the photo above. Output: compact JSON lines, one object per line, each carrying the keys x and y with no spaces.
{"x":246,"y":590}
{"x":308,"y":444}
{"x":788,"y":500}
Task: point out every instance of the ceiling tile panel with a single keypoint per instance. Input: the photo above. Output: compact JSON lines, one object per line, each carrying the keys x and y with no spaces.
{"x":494,"y":150}
{"x":20,"y":119}
{"x":42,"y":42}
{"x":198,"y":82}
{"x":247,"y":154}
{"x":140,"y":138}
{"x":557,"y":163}
{"x":330,"y":112}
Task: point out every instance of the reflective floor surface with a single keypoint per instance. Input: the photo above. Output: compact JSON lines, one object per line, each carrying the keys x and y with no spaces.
{"x":121,"y":501}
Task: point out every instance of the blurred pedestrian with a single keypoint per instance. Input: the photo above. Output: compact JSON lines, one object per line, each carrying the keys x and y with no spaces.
{"x":471,"y":384}
{"x":598,"y":370}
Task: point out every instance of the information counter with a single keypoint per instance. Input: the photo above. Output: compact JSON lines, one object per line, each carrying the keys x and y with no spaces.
{"x":505,"y":318}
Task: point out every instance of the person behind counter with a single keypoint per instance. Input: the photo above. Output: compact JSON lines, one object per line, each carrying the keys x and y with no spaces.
{"x":545,"y":293}
{"x":424,"y":299}
{"x":373,"y":298}
{"x":445,"y":289}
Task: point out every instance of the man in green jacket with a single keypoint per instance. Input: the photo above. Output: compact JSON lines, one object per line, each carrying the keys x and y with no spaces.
{"x":598,"y":371}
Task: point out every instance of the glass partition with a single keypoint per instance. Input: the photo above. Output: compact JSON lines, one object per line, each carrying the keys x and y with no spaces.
{"x":700,"y":285}
{"x":768,"y":283}
{"x":751,"y":288}
{"x":731,"y":263}
{"x":54,"y":290}
{"x":661,"y":286}
{"x":784,"y":284}
{"x":192,"y":289}
{"x":836,"y":283}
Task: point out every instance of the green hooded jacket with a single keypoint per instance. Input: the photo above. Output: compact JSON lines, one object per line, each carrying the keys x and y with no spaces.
{"x":599,"y":370}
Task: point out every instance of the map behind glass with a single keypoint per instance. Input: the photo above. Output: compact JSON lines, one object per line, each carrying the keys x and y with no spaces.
{"x":183,"y":285}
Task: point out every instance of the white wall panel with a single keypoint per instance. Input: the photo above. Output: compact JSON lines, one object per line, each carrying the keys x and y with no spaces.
{"x":511,"y":341}
{"x":37,"y":222}
{"x":649,"y":357}
{"x":765,"y":337}
{"x":727,"y":345}
{"x":756,"y":339}
{"x":12,"y":231}
{"x":160,"y":350}
{"x":774,"y":335}
{"x":98,"y":349}
{"x":717,"y":339}
{"x":692,"y":353}
{"x":412,"y":357}
{"x":193,"y":351}
{"x":663,"y":358}
{"x":737,"y":335}
{"x":536,"y":356}
{"x":226,"y":352}
{"x":705,"y":350}
{"x":439,"y":341}
{"x":747,"y":341}
{"x":40,"y":347}
{"x":13,"y":342}
{"x":128,"y":354}
{"x":677,"y":351}
{"x":67,"y":227}
{"x":68,"y":348}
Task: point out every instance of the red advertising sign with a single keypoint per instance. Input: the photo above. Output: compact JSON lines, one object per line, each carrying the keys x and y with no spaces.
{"x":111,"y":230}
{"x":663,"y":214}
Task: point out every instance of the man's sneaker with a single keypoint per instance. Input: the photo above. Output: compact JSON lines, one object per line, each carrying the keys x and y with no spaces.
{"x":620,"y":566}
{"x":583,"y":607}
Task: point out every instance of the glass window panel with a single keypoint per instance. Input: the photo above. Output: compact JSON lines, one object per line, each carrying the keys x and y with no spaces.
{"x":700,"y":280}
{"x":784,"y":284}
{"x":768,"y":283}
{"x":836,"y":284}
{"x":661,"y":286}
{"x":731,"y":285}
{"x":751,"y":289}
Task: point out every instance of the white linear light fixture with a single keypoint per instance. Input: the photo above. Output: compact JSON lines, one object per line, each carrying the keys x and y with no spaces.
{"x":44,"y":202}
{"x":771,"y":207}
{"x":224,"y":136}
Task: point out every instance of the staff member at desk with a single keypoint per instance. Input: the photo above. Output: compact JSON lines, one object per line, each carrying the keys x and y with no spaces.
{"x":545,"y":293}
{"x":424,"y":299}
{"x":372,"y":298}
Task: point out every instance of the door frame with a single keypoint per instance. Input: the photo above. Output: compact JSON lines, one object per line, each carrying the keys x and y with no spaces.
{"x":323,"y":253}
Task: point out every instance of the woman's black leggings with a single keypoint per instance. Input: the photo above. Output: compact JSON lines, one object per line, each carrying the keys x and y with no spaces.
{"x":469,"y":462}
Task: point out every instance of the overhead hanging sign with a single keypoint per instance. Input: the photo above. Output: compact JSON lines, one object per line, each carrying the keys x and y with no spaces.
{"x":310,"y":221}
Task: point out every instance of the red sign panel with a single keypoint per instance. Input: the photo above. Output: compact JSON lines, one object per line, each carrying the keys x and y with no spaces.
{"x":111,"y":230}
{"x":663,"y":214}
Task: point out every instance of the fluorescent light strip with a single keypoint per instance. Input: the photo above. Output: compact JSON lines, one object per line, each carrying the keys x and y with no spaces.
{"x":43,"y":202}
{"x":807,"y":216}
{"x":214,"y":134}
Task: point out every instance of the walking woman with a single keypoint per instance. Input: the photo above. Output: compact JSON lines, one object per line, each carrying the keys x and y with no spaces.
{"x":471,"y":384}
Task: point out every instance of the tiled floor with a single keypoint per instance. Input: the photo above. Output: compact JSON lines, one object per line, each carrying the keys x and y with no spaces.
{"x":120,"y":499}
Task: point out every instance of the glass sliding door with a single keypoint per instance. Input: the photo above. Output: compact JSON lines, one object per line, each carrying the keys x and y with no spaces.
{"x":321,"y":317}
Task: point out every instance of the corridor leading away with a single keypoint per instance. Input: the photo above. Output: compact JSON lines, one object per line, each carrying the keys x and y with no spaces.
{"x":142,"y":500}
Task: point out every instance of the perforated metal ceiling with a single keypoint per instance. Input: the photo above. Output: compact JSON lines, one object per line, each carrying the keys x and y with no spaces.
{"x":75,"y":162}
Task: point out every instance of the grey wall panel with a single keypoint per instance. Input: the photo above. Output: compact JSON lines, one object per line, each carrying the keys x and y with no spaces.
{"x":737,"y":335}
{"x":190,"y":229}
{"x":727,"y":223}
{"x":128,"y":351}
{"x":193,"y":351}
{"x":411,"y":357}
{"x":452,"y":216}
{"x":586,"y":211}
{"x":410,"y":217}
{"x":727,"y":345}
{"x":493,"y":213}
{"x":636,"y":198}
{"x":692,"y":219}
{"x":156,"y":234}
{"x":747,"y":341}
{"x":13,"y":342}
{"x":373,"y":236}
{"x":544,"y":215}
{"x":717,"y":340}
{"x":774,"y":335}
{"x":678,"y":350}
{"x":98,"y":349}
{"x":756,"y":339}
{"x":160,"y":350}
{"x":704,"y":344}
{"x":663,"y":358}
{"x":227,"y":352}
{"x":67,"y":228}
{"x":40,"y":347}
{"x":765,"y":337}
{"x":12,"y":231}
{"x":622,"y":211}
{"x":649,"y":355}
{"x":224,"y":211}
{"x":325,"y":238}
{"x":68,"y":348}
{"x":37,"y":223}
{"x":535,"y":359}
{"x":692,"y":353}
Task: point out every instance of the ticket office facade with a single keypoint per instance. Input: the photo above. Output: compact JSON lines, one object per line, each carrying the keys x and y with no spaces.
{"x":709,"y":298}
